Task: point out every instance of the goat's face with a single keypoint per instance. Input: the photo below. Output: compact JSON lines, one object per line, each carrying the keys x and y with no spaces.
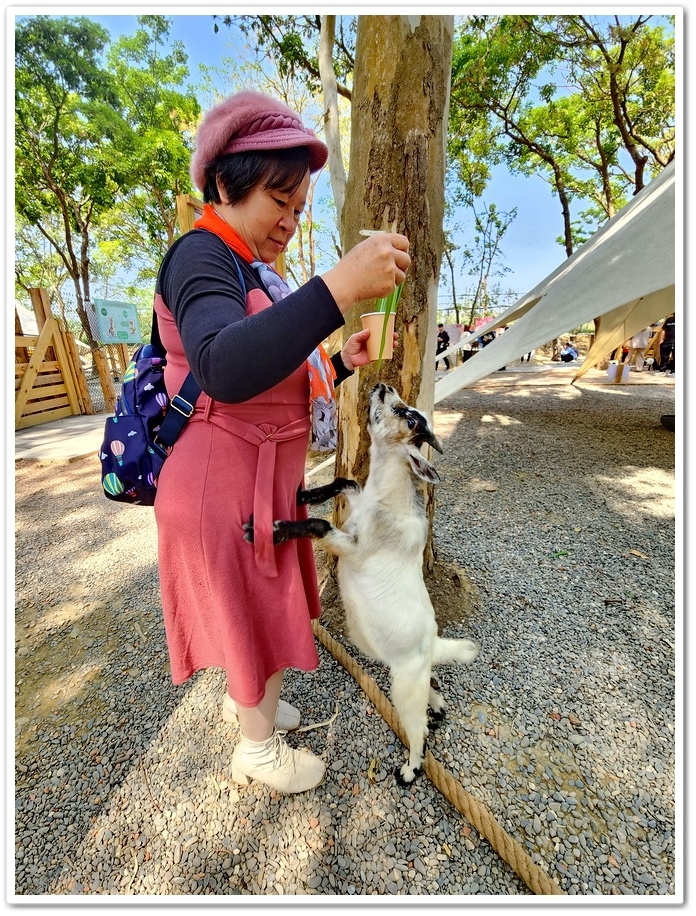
{"x":392,"y":423}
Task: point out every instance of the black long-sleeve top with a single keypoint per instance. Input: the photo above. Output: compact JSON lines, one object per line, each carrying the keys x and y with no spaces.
{"x":234,"y":356}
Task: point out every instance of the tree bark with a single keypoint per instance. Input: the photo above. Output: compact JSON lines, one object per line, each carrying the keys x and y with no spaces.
{"x":397,"y":175}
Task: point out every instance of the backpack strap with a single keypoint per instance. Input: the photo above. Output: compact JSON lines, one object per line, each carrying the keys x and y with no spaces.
{"x":183,"y":404}
{"x":155,"y":338}
{"x":178,"y":414}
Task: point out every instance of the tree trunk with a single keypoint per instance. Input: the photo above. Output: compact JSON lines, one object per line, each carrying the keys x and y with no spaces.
{"x":397,"y":175}
{"x":331,"y":120}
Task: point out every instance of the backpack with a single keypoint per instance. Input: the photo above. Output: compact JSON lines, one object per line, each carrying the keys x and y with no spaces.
{"x":145,"y":425}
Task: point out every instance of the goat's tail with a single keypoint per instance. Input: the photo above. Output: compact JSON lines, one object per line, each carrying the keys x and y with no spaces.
{"x":454,"y":651}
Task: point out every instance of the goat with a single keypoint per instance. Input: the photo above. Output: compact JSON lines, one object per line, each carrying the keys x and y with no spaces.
{"x":389,"y":613}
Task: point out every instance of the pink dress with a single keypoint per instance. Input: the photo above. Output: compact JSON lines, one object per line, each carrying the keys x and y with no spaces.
{"x":243,"y":607}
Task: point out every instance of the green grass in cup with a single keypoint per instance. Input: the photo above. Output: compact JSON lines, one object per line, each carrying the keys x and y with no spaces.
{"x":387,"y":305}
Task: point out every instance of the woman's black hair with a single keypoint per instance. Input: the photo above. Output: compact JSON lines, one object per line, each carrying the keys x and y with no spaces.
{"x":239,"y":173}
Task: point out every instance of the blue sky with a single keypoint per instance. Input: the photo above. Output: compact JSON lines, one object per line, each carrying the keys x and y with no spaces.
{"x":529,"y":247}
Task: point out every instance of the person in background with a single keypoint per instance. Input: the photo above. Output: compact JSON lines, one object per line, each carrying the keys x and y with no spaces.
{"x":467,"y":348}
{"x":652,"y":362}
{"x":639,"y":344}
{"x":254,"y":348}
{"x":667,"y":344}
{"x":568,"y":353}
{"x":443,"y":342}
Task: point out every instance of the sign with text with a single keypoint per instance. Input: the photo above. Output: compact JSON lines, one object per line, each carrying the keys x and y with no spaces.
{"x":117,"y":322}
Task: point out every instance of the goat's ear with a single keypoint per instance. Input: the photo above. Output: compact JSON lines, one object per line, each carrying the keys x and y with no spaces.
{"x":421,"y":466}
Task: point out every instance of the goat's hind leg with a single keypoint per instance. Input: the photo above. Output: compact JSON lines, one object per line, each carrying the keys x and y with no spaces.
{"x":436,"y":706}
{"x":452,"y":651}
{"x":410,"y":690}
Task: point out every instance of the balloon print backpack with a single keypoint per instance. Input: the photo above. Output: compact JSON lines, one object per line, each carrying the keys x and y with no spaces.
{"x":139,"y":436}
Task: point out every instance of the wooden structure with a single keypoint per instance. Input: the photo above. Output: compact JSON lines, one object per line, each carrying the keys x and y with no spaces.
{"x":49,"y":382}
{"x":188,"y":208}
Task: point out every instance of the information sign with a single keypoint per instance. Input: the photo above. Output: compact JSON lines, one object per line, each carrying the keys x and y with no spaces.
{"x":117,"y":322}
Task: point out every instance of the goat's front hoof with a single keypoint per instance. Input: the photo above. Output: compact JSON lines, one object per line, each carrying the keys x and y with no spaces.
{"x":407,"y":778}
{"x":248,"y":529}
{"x":317,"y":495}
{"x":301,"y":528}
{"x":281,"y":532}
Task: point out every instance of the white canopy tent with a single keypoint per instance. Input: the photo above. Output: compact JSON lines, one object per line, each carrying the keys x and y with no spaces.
{"x":624,"y":275}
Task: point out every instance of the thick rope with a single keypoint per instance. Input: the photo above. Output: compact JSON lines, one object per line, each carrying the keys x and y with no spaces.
{"x":477,"y":814}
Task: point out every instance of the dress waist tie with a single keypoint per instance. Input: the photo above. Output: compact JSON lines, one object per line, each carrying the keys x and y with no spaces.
{"x":264,"y":436}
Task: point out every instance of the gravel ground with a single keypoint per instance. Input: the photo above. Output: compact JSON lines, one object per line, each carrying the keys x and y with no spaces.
{"x":558,"y":504}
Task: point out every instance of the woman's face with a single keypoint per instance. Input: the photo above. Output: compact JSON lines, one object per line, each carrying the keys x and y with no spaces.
{"x":267,"y":219}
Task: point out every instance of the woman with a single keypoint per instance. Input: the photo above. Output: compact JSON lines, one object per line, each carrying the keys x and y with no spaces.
{"x":227,"y":603}
{"x":637,"y":350}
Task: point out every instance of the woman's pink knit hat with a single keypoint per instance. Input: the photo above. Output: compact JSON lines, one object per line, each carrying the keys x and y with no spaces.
{"x":251,"y":121}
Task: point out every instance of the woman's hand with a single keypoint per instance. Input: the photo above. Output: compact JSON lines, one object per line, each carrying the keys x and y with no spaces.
{"x":374,"y":268}
{"x":354,"y":352}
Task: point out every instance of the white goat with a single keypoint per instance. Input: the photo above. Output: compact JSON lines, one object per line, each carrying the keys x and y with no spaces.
{"x":389,"y":613}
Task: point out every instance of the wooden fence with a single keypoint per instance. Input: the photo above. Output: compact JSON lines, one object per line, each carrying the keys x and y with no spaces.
{"x":49,"y":382}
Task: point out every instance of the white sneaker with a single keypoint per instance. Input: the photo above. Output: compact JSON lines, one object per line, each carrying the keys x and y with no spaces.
{"x":276,"y":764}
{"x":287,"y":717}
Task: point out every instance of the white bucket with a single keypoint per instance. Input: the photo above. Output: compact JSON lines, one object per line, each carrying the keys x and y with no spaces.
{"x":618,"y":372}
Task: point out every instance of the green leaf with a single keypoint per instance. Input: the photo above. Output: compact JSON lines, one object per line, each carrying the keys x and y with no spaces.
{"x":387,"y":304}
